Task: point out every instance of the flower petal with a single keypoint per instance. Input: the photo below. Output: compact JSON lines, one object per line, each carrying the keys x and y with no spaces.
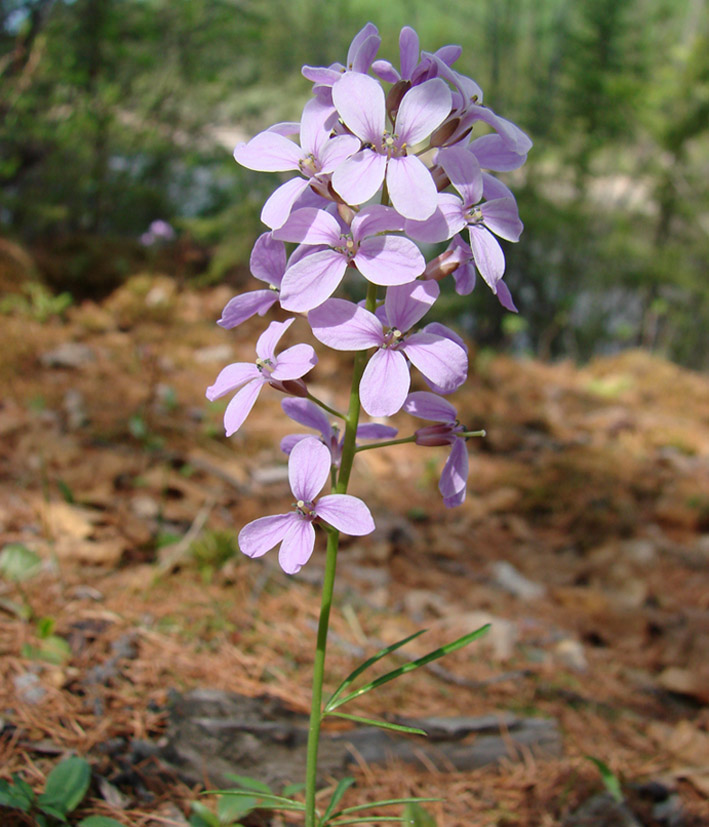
{"x":291,"y":440}
{"x":445,"y":221}
{"x":423,"y":109}
{"x":408,"y":51}
{"x":267,"y":341}
{"x":441,"y":330}
{"x":246,"y":305}
{"x":505,"y":297}
{"x":385,"y":383}
{"x":493,"y":153}
{"x":388,"y":259}
{"x":240,"y":406}
{"x":463,"y":170}
{"x":269,"y":152}
{"x":345,"y":513}
{"x":502,"y":218}
{"x":312,"y":280}
{"x":336,"y":151}
{"x":406,"y":304}
{"x":260,"y":536}
{"x":427,"y":405}
{"x":373,"y":430}
{"x":294,"y":362}
{"x":360,"y":101}
{"x":230,"y":378}
{"x":310,"y":226}
{"x":268,"y":259}
{"x":411,"y":187}
{"x":279,"y":204}
{"x":454,"y":477}
{"x":297,"y":546}
{"x":375,"y":219}
{"x":308,"y":468}
{"x":359,"y":177}
{"x":307,"y":413}
{"x":342,"y":325}
{"x":441,"y":362}
{"x":488,"y":255}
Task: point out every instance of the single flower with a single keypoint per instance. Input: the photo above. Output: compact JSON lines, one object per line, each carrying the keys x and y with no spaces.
{"x":282,"y":372}
{"x":308,"y":471}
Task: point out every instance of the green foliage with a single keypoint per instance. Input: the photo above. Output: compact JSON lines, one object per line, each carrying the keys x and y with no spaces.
{"x":18,"y":563}
{"x":51,"y":648}
{"x":610,"y":780}
{"x":418,"y":816}
{"x":36,"y":302}
{"x":212,"y":549}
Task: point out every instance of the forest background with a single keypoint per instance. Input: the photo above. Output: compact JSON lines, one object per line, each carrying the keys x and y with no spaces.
{"x":115,"y":113}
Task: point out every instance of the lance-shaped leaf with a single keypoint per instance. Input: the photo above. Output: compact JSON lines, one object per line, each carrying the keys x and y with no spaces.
{"x":382,"y":724}
{"x":264,"y":801}
{"x":409,"y":667}
{"x":340,"y":790}
{"x":387,"y":802}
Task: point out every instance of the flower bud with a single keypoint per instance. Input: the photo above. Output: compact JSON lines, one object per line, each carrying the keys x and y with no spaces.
{"x":440,"y":179}
{"x":444,"y":132}
{"x":432,"y":435}
{"x":443,"y":265}
{"x":293,"y":387}
{"x":396,"y":93}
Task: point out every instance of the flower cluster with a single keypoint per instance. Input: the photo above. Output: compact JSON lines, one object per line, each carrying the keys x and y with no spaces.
{"x":383,"y":159}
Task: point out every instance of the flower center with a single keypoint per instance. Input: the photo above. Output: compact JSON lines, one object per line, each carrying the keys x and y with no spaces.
{"x":393,"y":339}
{"x":474,"y":215}
{"x":305,"y":509}
{"x":265,"y":366}
{"x":347,"y":247}
{"x":391,"y":146}
{"x":309,"y":166}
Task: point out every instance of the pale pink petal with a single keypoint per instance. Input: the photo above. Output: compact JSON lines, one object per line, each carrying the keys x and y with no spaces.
{"x":454,"y":477}
{"x":345,"y":513}
{"x":427,"y":405}
{"x":373,"y":430}
{"x":411,"y":187}
{"x":315,"y":124}
{"x":446,"y":220}
{"x":501,"y":216}
{"x":493,"y":153}
{"x":307,"y":413}
{"x":505,"y":297}
{"x":489,"y":258}
{"x":322,"y":74}
{"x":463,"y":170}
{"x":385,"y":383}
{"x":268,"y":259}
{"x":441,"y":330}
{"x":384,"y":70}
{"x":406,"y":304}
{"x":494,"y":188}
{"x":279,"y":204}
{"x":291,"y":440}
{"x":337,"y":150}
{"x":260,"y":536}
{"x":359,"y":177}
{"x":388,"y":259}
{"x":246,"y":305}
{"x":240,"y":406}
{"x":360,"y":101}
{"x":294,"y":362}
{"x":230,"y":378}
{"x":441,"y":361}
{"x":267,"y":341}
{"x":297,"y":546}
{"x":269,"y":152}
{"x":308,"y":468}
{"x":375,"y":219}
{"x":423,"y":108}
{"x":310,"y":226}
{"x":342,"y":325}
{"x":311,"y":280}
{"x":409,"y":50}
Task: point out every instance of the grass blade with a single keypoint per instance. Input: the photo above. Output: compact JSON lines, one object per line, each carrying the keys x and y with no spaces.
{"x":383,"y":724}
{"x":389,"y":802}
{"x":340,"y":790}
{"x":270,"y":800}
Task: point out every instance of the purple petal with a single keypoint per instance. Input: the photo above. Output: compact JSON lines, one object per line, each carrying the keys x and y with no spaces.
{"x":345,"y":513}
{"x":408,"y":50}
{"x":423,"y":108}
{"x":493,"y":153}
{"x":446,"y":220}
{"x":493,"y":188}
{"x":384,"y":70}
{"x":388,"y":259}
{"x":372,"y":430}
{"x":342,"y":325}
{"x":268,"y":259}
{"x":336,"y":151}
{"x":463,"y":169}
{"x":286,"y":128}
{"x":279,"y":204}
{"x":406,"y":304}
{"x":441,"y":330}
{"x":308,"y":468}
{"x":365,"y":54}
{"x":360,"y":101}
{"x":294,"y":362}
{"x":312,"y":280}
{"x":375,"y":219}
{"x":269,"y":152}
{"x":359,"y":177}
{"x":502,"y":218}
{"x":246,"y":305}
{"x":441,"y":361}
{"x":307,"y":413}
{"x":260,"y":536}
{"x":385,"y":383}
{"x":489,"y":258}
{"x":240,"y":406}
{"x":427,"y":405}
{"x":315,"y":125}
{"x":230,"y":378}
{"x":454,"y":477}
{"x":310,"y":226}
{"x":321,"y":74}
{"x":505,"y":297}
{"x":367,"y":31}
{"x":291,"y":440}
{"x":512,"y":135}
{"x":411,"y":188}
{"x":297,"y":545}
{"x":464,"y":278}
{"x":267,"y":341}
{"x":449,"y":54}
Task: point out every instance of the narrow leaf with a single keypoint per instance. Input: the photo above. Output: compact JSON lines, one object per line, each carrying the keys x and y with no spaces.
{"x":388,"y":802}
{"x":245,"y":782}
{"x":382,"y":653}
{"x":418,"y":816}
{"x":409,"y":667}
{"x":341,"y":788}
{"x":610,"y":780}
{"x":270,"y":801}
{"x":370,"y":819}
{"x":382,"y":724}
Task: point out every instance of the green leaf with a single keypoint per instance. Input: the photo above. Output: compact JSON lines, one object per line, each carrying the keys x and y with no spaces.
{"x":418,"y":816}
{"x":291,"y":789}
{"x":18,"y":563}
{"x":247,"y":783}
{"x":52,"y":811}
{"x":387,"y":802}
{"x":370,"y":820}
{"x":45,"y":627}
{"x":382,"y":653}
{"x":383,"y":724}
{"x":202,"y":817}
{"x":99,"y":821}
{"x":230,"y":808}
{"x":66,"y":786}
{"x":343,"y":785}
{"x":267,"y":801}
{"x":610,"y":780}
{"x":53,"y":649}
{"x":18,"y":795}
{"x":409,"y":667}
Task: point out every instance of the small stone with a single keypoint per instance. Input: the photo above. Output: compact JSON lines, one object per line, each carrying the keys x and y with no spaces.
{"x":145,"y":507}
{"x":68,"y":355}
{"x":506,"y":576}
{"x":639,"y":550}
{"x":571,"y":653}
{"x":29,"y":688}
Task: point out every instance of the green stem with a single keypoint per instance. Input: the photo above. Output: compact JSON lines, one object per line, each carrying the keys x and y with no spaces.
{"x":348,"y":454}
{"x":386,"y":442}
{"x":325,"y":407}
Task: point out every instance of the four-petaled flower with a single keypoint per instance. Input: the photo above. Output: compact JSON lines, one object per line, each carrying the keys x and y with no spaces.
{"x":343,"y":325}
{"x":278,"y":371}
{"x":308,"y":471}
{"x":449,"y":431}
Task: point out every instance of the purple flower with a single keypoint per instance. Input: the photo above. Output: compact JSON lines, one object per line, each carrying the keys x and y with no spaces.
{"x":360,"y":101}
{"x":308,"y":470}
{"x":464,"y":274}
{"x":318,"y":154}
{"x":247,"y":378}
{"x":309,"y":414}
{"x":385,"y":382}
{"x":449,"y":431}
{"x":411,"y":68}
{"x":158,"y":230}
{"x":363,"y":49}
{"x":382,"y":259}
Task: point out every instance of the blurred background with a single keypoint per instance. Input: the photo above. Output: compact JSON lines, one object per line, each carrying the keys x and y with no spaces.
{"x":117,"y":113}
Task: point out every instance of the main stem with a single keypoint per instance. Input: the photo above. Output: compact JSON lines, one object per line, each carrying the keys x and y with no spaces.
{"x":348,"y":455}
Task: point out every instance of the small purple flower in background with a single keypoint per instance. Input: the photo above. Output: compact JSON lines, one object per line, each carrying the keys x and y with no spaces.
{"x":360,"y":101}
{"x":158,"y":231}
{"x":308,"y":471}
{"x":343,"y":325}
{"x":382,"y":259}
{"x":309,"y":414}
{"x":269,"y":369}
{"x":449,"y":431}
